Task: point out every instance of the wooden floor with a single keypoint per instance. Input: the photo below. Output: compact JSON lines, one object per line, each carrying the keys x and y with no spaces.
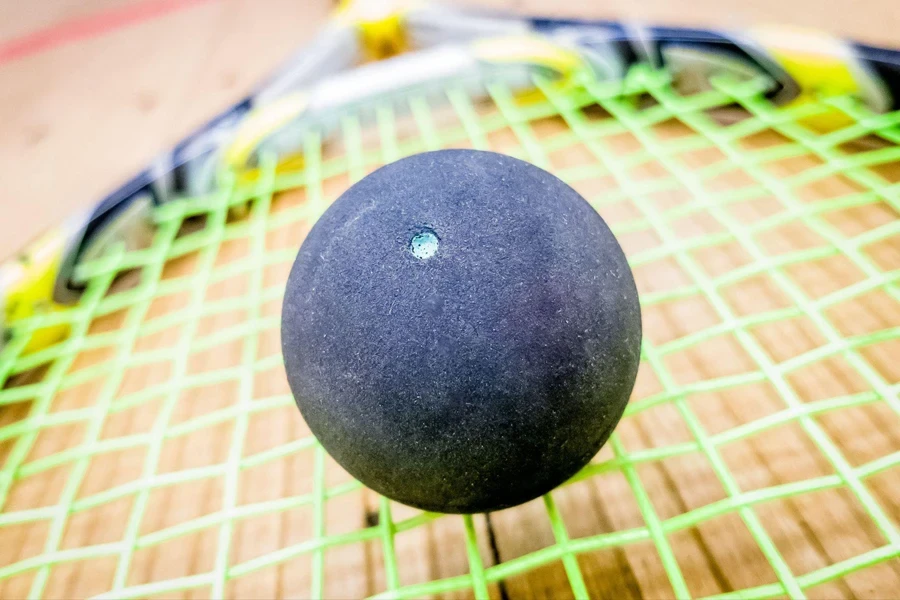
{"x":81,"y":115}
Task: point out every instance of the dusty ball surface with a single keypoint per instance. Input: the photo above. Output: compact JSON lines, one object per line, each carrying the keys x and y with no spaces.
{"x":461,"y":331}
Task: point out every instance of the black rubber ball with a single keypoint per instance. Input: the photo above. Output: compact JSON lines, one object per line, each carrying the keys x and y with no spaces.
{"x":461,"y":331}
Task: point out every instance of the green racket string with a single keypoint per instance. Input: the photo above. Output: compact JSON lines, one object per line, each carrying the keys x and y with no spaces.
{"x":634,"y":109}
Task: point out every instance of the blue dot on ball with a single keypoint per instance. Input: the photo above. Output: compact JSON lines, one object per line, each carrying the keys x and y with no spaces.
{"x":424,"y":244}
{"x":461,"y":331}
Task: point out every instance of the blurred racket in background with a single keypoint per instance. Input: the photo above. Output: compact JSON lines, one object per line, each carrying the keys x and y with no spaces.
{"x":149,"y":442}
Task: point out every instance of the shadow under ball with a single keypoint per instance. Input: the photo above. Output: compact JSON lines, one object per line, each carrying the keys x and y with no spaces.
{"x":461,"y":331}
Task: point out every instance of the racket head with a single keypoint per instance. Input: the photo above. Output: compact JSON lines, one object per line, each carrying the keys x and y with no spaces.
{"x":157,"y":450}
